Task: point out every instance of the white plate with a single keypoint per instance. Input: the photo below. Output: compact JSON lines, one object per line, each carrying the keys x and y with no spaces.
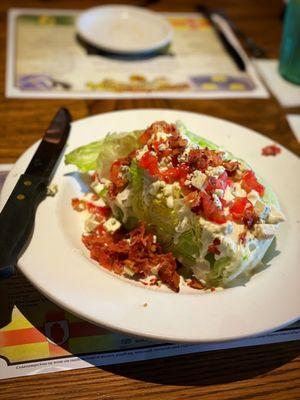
{"x":124,"y":29}
{"x":58,"y":264}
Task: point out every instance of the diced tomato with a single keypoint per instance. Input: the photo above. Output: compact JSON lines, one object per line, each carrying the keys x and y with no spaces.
{"x":249,"y":182}
{"x":241,"y":208}
{"x":149,"y":162}
{"x":103,"y":211}
{"x":211,"y":211}
{"x":239,"y":204}
{"x":183,"y":170}
{"x":229,"y":182}
{"x":210,"y":184}
{"x":218,"y":217}
{"x":217,"y":183}
{"x":171,"y":175}
{"x":156,"y":145}
{"x":222,"y":181}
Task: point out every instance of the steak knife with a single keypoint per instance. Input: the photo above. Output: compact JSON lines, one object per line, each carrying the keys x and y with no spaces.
{"x":18,"y":215}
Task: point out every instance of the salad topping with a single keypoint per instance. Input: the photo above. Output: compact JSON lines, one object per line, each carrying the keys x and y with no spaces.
{"x":165,"y":198}
{"x":203,"y":174}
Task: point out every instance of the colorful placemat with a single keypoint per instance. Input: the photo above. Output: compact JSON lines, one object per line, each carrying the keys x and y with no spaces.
{"x":46,"y":59}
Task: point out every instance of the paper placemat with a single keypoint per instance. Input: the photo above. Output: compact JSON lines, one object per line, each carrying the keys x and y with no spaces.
{"x":287,"y":93}
{"x":37,"y":336}
{"x":45,"y":59}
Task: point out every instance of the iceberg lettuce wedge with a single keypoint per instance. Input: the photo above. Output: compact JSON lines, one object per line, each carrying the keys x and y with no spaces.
{"x":177,"y":228}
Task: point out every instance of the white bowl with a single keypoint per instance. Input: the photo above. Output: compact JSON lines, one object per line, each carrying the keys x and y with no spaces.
{"x":124,"y":29}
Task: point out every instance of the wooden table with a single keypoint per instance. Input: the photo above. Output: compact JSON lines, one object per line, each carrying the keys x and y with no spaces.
{"x":263,"y":372}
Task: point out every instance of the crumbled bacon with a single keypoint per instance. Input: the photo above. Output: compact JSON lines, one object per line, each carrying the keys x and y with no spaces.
{"x":271,"y":150}
{"x":250,"y":218}
{"x":231,"y":167}
{"x":242,"y":237}
{"x":154,"y":128}
{"x":78,"y":205}
{"x":213,"y":248}
{"x":195,"y":284}
{"x":135,"y":250}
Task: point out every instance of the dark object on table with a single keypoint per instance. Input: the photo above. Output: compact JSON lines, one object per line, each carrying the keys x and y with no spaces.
{"x":231,"y":50}
{"x":18,"y":214}
{"x":254,"y":49}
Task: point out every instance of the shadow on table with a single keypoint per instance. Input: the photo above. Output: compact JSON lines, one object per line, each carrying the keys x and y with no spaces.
{"x":92,"y":50}
{"x":198,"y":369}
{"x":210,"y":368}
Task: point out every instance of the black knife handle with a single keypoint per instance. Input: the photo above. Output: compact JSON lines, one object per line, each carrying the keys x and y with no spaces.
{"x":17,"y":220}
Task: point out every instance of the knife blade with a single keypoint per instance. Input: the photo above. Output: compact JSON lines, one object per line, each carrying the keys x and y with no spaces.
{"x":18,"y":214}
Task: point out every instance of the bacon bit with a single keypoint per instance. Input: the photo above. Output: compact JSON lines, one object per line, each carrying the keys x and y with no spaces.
{"x":271,"y":150}
{"x":250,"y":218}
{"x":170,"y":277}
{"x":116,"y":175}
{"x":212,"y":289}
{"x":212,"y":248}
{"x":94,"y":176}
{"x":193,"y":199}
{"x":139,"y":253}
{"x":242,"y":237}
{"x":112,"y":191}
{"x":154,"y":128}
{"x":231,"y":167}
{"x":202,"y":158}
{"x":195,"y":284}
{"x":78,"y":205}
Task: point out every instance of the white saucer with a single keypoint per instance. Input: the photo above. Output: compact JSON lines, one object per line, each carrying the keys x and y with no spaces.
{"x":124,"y":29}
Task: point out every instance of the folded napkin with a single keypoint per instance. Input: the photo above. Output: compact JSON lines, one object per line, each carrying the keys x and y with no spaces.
{"x":287,"y":93}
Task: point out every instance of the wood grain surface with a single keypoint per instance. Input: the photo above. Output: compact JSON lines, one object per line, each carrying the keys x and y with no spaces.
{"x":262,"y":372}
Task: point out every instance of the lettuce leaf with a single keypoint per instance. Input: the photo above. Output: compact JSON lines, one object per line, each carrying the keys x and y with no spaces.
{"x":200,"y":141}
{"x":216,"y":276}
{"x":114,"y":146}
{"x":102,"y":153}
{"x":187,"y":248}
{"x":85,"y":157}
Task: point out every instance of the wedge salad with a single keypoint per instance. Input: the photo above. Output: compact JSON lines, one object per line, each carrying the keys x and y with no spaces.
{"x":169,"y":207}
